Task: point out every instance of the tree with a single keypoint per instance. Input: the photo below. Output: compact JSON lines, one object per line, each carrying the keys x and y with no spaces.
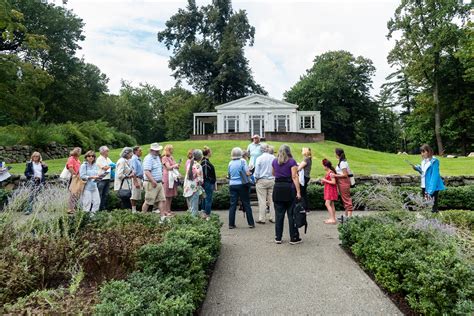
{"x":208,"y":52}
{"x":338,"y":84}
{"x":429,"y":33}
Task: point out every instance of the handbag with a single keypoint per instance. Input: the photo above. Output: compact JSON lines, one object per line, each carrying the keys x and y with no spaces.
{"x":65,"y":174}
{"x":124,"y":193}
{"x":76,"y":186}
{"x":352,"y":179}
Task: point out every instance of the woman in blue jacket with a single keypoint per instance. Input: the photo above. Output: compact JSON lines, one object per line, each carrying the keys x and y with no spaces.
{"x":431,"y":182}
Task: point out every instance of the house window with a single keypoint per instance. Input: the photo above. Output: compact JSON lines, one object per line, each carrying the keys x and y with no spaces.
{"x":282,"y":123}
{"x":308,"y":122}
{"x":231,"y":124}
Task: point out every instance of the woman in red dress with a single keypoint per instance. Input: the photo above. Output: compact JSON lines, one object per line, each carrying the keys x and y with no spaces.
{"x":330,"y":191}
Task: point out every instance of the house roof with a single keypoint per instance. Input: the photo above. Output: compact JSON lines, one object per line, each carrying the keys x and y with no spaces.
{"x":256,"y":101}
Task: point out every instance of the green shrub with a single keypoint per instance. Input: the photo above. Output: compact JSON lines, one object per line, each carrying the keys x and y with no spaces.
{"x":417,"y":257}
{"x":458,"y":218}
{"x":73,"y":136}
{"x":459,"y":198}
{"x":11,"y":135}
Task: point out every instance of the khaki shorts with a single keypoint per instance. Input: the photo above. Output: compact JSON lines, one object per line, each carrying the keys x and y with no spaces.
{"x":153,"y":195}
{"x":137,"y":192}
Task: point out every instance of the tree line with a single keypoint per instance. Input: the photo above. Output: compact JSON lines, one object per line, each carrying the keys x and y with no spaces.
{"x":428,"y":98}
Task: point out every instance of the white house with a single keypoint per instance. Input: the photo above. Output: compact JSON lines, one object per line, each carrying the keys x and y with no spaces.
{"x":257,"y":114}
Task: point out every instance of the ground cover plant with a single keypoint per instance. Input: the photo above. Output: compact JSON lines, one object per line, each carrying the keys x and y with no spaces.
{"x":362,"y":161}
{"x":51,"y":262}
{"x":428,"y":258}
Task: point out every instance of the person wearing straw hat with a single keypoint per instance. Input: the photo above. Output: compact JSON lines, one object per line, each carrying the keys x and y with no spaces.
{"x":254,"y":150}
{"x":153,"y":181}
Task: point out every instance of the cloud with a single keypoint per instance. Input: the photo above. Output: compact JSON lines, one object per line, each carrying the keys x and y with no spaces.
{"x":121,"y":37}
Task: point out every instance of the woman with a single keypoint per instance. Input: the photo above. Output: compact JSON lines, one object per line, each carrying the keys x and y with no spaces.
{"x":285,"y":193}
{"x":76,"y":185}
{"x":431,"y":182}
{"x":305,"y":165}
{"x":90,"y":172}
{"x":104,"y":164}
{"x":239,"y":182}
{"x":123,"y":176}
{"x":192,"y":188}
{"x":171,"y":189}
{"x":35,"y":174}
{"x":343,"y":182}
{"x":209,"y":174}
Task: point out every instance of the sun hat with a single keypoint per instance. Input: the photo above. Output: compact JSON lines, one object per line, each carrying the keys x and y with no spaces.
{"x":156,"y":147}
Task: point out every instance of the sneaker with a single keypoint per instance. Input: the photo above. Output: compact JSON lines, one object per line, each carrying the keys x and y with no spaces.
{"x":156,"y":211}
{"x":271,"y":221}
{"x":232,"y":226}
{"x":341,"y":219}
{"x":277,"y":241}
{"x":251,"y":226}
{"x":296,"y":241}
{"x":134,"y":211}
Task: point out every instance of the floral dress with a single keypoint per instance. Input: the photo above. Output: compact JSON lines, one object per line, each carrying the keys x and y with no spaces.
{"x":192,"y":186}
{"x":174,"y":190}
{"x":330,"y":190}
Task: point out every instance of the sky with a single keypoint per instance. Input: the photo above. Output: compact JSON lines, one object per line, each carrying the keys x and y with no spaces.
{"x":121,"y":37}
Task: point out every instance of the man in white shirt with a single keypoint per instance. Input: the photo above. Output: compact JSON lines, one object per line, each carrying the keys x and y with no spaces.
{"x":264,"y":183}
{"x":254,"y":150}
{"x":103,"y":163}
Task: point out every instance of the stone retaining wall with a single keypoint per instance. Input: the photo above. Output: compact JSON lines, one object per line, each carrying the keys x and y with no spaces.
{"x":396,"y":180}
{"x":19,"y":154}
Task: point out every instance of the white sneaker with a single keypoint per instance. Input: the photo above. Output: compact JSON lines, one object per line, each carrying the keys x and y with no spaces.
{"x":134,"y":211}
{"x":156,"y":211}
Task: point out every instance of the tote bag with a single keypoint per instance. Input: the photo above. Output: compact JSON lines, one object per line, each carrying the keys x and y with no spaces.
{"x":77,"y":185}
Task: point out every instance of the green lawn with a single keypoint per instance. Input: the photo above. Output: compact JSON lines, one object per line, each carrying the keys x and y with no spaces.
{"x":362,"y":161}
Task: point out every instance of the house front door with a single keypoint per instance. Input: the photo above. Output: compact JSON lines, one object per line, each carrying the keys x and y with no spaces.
{"x":257,"y":125}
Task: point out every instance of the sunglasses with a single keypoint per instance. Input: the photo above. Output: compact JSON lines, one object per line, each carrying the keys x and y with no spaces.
{"x":90,"y":156}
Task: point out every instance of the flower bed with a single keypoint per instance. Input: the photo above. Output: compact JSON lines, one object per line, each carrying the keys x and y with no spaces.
{"x":421,"y":257}
{"x":115,"y":262}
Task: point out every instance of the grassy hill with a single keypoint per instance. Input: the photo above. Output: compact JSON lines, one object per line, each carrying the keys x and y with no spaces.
{"x":362,"y":161}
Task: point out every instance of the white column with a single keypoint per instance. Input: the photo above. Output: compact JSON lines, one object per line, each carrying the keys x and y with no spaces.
{"x":194,"y":124}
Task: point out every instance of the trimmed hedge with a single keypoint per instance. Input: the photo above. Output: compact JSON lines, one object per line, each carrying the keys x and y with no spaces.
{"x":172,"y":275}
{"x":417,"y":257}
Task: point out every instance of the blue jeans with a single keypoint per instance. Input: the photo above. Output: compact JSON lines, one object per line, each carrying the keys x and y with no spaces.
{"x":242,"y":191}
{"x":193,"y":202}
{"x":207,"y":202}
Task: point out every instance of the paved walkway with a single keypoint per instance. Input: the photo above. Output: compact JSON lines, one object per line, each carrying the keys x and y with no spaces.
{"x":255,"y":276}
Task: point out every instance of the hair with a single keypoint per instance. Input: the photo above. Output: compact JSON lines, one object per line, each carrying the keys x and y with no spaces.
{"x":167,"y":150}
{"x":90,"y":153}
{"x":427,"y":148}
{"x":306,"y":151}
{"x":125,"y":152}
{"x":342,"y":156}
{"x":284,"y":154}
{"x":197,"y":156}
{"x":190,"y":154}
{"x":264,"y":147}
{"x":328,"y":164}
{"x":236,"y":153}
{"x":36,"y":153}
{"x":135,"y":149}
{"x":245,"y":154}
{"x":206,"y":150}
{"x":103,"y":148}
{"x":76,"y":151}
{"x":271,"y":150}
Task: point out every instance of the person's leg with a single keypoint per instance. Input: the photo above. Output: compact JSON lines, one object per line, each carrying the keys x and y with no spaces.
{"x":328,"y":207}
{"x":245,"y":197}
{"x":345,"y":191}
{"x":303,"y":195}
{"x":294,"y":233}
{"x":86,"y":200}
{"x":150,"y":194}
{"x":305,"y":198}
{"x":194,"y":201}
{"x":435,"y":202}
{"x":333,"y":212}
{"x":279,"y":219}
{"x":262,"y":200}
{"x":209,"y":189}
{"x":103,"y":187}
{"x":96,"y":202}
{"x":234,"y":195}
{"x":271,"y":183}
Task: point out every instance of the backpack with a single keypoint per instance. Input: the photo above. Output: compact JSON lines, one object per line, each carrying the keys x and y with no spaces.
{"x":299,"y":215}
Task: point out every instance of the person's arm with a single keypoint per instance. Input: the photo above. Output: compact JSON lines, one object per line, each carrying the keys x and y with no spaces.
{"x":83,"y":173}
{"x":70,"y":167}
{"x":246,"y":168}
{"x":296,"y":181}
{"x":302,"y":165}
{"x":45,"y":167}
{"x":345,"y":173}
{"x":120,"y":169}
{"x":29,"y":171}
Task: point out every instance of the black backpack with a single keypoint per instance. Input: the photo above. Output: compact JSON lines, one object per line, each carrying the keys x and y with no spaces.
{"x":299,"y":215}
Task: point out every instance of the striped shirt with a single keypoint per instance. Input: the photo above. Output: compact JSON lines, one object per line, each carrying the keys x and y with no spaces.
{"x":153,"y":164}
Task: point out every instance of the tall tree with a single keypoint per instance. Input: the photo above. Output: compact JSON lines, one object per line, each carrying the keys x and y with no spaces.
{"x":430,"y":31}
{"x":338,"y":84}
{"x":208,"y":50}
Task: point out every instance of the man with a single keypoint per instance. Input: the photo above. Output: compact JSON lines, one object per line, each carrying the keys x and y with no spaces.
{"x":103,"y":163}
{"x":153,"y":179}
{"x":254,"y":150}
{"x":136,"y":164}
{"x":264,"y":183}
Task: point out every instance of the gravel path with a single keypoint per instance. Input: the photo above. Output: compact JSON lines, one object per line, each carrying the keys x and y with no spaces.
{"x":255,"y":276}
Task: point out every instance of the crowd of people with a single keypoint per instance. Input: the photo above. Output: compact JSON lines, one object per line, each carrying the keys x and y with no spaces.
{"x":280,"y":182}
